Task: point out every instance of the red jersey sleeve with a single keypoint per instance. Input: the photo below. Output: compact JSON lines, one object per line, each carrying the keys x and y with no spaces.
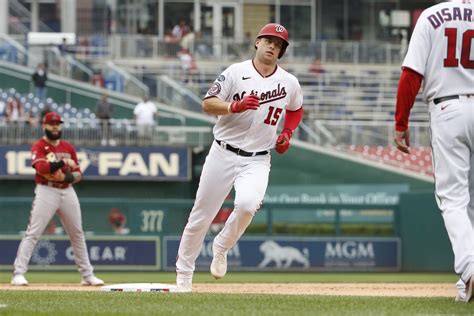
{"x":73,"y":154}
{"x":408,"y":87}
{"x":293,"y":119}
{"x":38,"y":154}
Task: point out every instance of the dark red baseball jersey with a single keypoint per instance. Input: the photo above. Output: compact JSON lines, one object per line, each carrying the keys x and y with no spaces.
{"x":44,"y":151}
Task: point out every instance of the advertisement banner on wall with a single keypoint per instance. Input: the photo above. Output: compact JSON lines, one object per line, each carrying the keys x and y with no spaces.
{"x":298,"y":254}
{"x":161,"y":163}
{"x":353,"y":194}
{"x":105,"y":253}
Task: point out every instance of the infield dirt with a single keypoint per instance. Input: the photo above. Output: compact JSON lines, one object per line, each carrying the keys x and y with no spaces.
{"x":342,"y":289}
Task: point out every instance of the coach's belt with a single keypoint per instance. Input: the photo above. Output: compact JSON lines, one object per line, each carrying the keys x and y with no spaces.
{"x":241,"y":152}
{"x":451,"y":97}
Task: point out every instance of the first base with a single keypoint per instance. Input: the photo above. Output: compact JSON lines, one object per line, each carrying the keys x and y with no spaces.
{"x":139,"y":287}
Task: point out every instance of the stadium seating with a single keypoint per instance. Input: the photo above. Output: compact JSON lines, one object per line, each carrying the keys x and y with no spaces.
{"x":34,"y":105}
{"x":83,"y":128}
{"x":419,"y":159}
{"x":348,"y":92}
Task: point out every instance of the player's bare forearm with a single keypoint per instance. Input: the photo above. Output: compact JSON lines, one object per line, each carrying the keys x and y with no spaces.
{"x":215,"y":106}
{"x":77,"y":176}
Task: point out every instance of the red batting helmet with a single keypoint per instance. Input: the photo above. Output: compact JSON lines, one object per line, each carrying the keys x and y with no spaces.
{"x":277,"y":30}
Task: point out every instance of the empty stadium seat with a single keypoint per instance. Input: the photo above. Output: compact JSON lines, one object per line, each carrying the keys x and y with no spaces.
{"x":419,"y":159}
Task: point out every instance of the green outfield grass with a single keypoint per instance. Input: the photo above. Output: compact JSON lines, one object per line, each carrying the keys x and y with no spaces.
{"x":92,"y":303}
{"x":101,"y":303}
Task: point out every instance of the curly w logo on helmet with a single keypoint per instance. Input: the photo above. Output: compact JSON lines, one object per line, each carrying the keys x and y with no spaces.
{"x":279,"y":28}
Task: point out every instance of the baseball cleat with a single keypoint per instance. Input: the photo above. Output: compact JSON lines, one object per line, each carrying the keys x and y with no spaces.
{"x":91,"y":280}
{"x":464,"y":291}
{"x":469,"y":290}
{"x":219,"y":265}
{"x":184,"y":285}
{"x":19,"y":279}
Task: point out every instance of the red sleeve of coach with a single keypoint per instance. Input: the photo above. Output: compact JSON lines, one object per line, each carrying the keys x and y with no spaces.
{"x":408,"y":87}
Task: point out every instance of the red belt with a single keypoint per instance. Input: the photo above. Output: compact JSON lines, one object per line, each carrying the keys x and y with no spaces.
{"x":58,"y":185}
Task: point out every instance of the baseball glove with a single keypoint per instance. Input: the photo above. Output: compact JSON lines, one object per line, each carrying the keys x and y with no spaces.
{"x":57,"y":176}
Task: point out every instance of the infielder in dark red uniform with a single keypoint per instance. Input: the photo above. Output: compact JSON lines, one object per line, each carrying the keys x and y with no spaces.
{"x":57,"y":168}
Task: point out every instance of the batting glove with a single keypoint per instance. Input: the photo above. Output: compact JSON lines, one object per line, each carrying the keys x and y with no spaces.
{"x":251,"y":102}
{"x":283,"y":141}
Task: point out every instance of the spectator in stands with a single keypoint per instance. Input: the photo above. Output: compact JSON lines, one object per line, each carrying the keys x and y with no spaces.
{"x":188,"y":65}
{"x":104,"y":111}
{"x":30,"y":119}
{"x":63,"y":47}
{"x":53,"y":229}
{"x":169,"y":38}
{"x":83,"y":48}
{"x":14,"y":111}
{"x":145,"y":113}
{"x":63,"y":63}
{"x":39,"y":81}
{"x":3,"y":105}
{"x":317,"y":70}
{"x":180,"y":30}
{"x":44,"y":111}
{"x":118,"y":220}
{"x":187,"y":41}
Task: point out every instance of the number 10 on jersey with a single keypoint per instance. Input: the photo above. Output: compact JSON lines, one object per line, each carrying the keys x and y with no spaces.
{"x":451,"y":60}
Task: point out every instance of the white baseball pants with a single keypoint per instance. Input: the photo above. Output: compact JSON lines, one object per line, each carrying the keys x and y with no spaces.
{"x":222,"y":170}
{"x":452,"y":140}
{"x":47,"y":201}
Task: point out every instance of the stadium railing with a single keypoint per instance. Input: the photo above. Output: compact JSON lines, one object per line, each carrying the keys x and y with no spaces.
{"x":368,"y":132}
{"x":120,"y":46}
{"x":122,"y":132}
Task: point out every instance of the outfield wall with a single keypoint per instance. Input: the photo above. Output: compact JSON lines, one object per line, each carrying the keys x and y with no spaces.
{"x":418,"y":241}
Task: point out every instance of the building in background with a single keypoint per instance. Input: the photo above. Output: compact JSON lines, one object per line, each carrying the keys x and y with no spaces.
{"x":367,"y":20}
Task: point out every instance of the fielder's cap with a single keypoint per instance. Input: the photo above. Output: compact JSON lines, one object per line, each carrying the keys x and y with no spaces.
{"x":52,"y":117}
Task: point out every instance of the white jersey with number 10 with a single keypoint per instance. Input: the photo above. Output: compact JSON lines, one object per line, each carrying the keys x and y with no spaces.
{"x":442,"y":49}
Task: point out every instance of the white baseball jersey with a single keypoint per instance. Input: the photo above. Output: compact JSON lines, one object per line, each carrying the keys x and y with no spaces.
{"x":254,"y":130}
{"x":442,"y":49}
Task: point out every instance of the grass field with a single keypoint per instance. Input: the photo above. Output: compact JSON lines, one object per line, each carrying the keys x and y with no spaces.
{"x":13,"y":302}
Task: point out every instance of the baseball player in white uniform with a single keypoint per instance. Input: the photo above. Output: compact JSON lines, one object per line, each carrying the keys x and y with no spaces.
{"x":441,"y":55}
{"x":249,"y":99}
{"x":57,"y":168}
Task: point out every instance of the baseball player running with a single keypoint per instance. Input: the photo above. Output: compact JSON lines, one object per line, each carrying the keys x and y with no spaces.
{"x":441,"y":55}
{"x":56,"y":165}
{"x":249,"y":99}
